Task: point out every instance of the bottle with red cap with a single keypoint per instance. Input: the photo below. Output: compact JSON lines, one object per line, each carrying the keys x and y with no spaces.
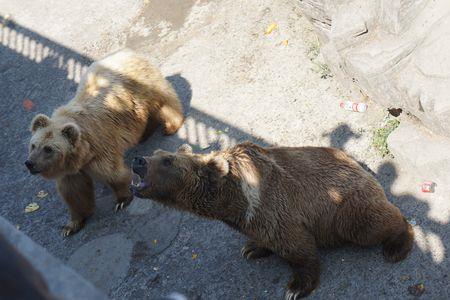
{"x":353,"y":106}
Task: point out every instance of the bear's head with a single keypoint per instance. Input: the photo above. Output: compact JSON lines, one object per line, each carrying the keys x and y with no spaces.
{"x":51,"y":146}
{"x":178,"y":179}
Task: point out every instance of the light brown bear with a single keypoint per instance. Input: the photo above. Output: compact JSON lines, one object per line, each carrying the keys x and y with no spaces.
{"x":119,"y":102}
{"x":288,"y":201}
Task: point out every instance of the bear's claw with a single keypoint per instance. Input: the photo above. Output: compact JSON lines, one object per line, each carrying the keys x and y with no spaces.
{"x":71,"y":229}
{"x":253,"y":251}
{"x":120,"y":206}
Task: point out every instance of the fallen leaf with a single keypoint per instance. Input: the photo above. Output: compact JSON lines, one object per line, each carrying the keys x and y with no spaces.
{"x":194,"y":256}
{"x":32,"y":207}
{"x":42,"y":194}
{"x":28,"y":104}
{"x":416,"y":289}
{"x":271,"y":28}
{"x":285,"y":43}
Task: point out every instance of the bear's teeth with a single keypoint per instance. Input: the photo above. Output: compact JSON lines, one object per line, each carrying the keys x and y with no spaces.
{"x":136,"y":180}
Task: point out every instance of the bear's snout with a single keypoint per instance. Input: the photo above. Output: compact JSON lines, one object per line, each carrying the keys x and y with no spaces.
{"x":139,"y":166}
{"x":31,"y":166}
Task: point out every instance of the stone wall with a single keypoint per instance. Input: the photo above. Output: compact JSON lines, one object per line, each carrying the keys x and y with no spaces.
{"x":397,"y":52}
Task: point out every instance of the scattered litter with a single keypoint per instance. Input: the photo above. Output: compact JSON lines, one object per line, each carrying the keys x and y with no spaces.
{"x":32,"y":207}
{"x":28,"y":104}
{"x":284,"y":43}
{"x":155,"y":268}
{"x":271,"y":28}
{"x":405,"y":278}
{"x":194,"y":256}
{"x":42,"y":194}
{"x":428,"y":186}
{"x":353,"y":106}
{"x":155,"y":242}
{"x":416,"y":289}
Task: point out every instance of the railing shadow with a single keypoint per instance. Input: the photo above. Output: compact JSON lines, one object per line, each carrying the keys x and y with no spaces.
{"x":36,"y":68}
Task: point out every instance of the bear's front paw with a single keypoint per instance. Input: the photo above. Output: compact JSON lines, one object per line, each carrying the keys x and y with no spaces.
{"x":252,"y":251}
{"x":300,"y":286}
{"x":71,"y":228}
{"x":123,"y":202}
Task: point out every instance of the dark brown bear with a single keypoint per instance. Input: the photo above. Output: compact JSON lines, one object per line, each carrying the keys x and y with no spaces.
{"x":288,"y":201}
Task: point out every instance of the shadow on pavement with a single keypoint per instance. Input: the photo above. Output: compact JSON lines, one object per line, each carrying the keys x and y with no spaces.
{"x":36,"y":68}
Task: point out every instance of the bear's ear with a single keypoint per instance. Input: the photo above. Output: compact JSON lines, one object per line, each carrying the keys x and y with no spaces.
{"x":71,"y":132}
{"x":219,"y":164}
{"x":40,"y":121}
{"x":185,"y":148}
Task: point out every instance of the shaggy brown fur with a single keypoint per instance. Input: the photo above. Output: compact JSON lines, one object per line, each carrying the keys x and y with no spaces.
{"x":288,"y":201}
{"x":119,"y":102}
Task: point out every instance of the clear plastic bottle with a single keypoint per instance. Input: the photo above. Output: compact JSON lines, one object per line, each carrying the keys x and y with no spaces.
{"x":353,"y":106}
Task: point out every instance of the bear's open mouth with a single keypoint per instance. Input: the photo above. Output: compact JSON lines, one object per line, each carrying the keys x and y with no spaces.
{"x":138,"y":183}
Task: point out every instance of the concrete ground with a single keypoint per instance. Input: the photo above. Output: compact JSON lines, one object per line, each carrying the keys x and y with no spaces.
{"x":236,"y":83}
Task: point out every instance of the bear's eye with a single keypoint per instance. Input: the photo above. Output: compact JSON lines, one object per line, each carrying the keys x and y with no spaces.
{"x":48,"y":149}
{"x":167,"y":162}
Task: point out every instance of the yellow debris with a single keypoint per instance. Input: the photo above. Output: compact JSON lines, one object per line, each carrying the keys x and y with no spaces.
{"x":271,"y":28}
{"x":32,"y":207}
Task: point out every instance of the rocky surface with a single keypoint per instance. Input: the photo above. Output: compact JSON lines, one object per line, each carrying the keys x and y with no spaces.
{"x":396,"y":52}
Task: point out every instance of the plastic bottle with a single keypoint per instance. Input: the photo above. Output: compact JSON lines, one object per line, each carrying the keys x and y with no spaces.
{"x":353,"y":106}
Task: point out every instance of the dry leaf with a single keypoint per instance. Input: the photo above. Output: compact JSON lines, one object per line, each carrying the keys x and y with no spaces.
{"x":28,"y":104}
{"x":194,"y":256}
{"x":32,"y":207}
{"x":285,"y":42}
{"x":42,"y":194}
{"x":271,"y":28}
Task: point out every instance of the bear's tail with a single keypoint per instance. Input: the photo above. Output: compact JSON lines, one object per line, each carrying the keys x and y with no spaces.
{"x":397,"y":246}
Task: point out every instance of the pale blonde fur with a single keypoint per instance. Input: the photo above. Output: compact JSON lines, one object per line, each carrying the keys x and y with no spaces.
{"x":115,"y":102}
